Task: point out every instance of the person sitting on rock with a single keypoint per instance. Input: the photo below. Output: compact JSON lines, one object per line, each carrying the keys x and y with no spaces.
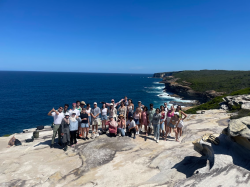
{"x":65,"y":131}
{"x":121,"y":125}
{"x":131,"y":126}
{"x":174,"y":121}
{"x":112,"y":126}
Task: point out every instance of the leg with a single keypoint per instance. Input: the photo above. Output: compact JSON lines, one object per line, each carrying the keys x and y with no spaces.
{"x":176,"y":134}
{"x":87,"y":131}
{"x":75,"y":137}
{"x":155,"y":126}
{"x":146,"y":129}
{"x":122,"y":132}
{"x":59,"y":135}
{"x":157,"y":131}
{"x":71,"y":137}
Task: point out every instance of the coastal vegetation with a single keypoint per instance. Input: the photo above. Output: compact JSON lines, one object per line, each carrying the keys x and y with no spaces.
{"x":218,"y":80}
{"x":215,"y":104}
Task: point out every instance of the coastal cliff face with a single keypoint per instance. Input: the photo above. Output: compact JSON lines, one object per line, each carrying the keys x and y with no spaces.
{"x":161,"y":75}
{"x":183,"y":90}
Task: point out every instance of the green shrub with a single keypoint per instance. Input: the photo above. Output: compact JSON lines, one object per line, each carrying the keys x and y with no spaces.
{"x":6,"y":135}
{"x":241,"y":113}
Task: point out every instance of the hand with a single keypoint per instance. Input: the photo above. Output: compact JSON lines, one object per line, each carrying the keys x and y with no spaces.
{"x":53,"y":109}
{"x":62,"y":134}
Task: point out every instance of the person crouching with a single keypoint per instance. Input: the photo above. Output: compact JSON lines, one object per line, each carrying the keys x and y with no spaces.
{"x":112,"y":127}
{"x":73,"y":127}
{"x":131,"y":126}
{"x":65,"y":131}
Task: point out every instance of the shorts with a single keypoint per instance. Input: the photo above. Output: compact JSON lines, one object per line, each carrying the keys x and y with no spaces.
{"x":162,"y":125}
{"x":168,"y":120}
{"x":172,"y":126}
{"x":104,"y":117}
{"x":180,"y":125}
{"x":95,"y":122}
{"x":84,"y":125}
{"x":137,"y":121}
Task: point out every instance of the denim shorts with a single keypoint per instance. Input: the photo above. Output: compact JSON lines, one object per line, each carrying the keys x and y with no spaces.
{"x":84,"y":125}
{"x":104,"y":117}
{"x":136,"y":121}
{"x":162,"y":125}
{"x":172,"y":126}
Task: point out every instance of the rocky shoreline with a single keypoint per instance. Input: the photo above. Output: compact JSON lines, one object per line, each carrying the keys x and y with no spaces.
{"x":142,"y":162}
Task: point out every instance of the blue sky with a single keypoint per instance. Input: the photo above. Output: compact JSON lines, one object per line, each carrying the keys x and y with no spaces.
{"x":124,"y":36}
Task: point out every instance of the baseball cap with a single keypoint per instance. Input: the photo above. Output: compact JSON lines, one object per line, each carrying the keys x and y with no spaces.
{"x":95,"y":103}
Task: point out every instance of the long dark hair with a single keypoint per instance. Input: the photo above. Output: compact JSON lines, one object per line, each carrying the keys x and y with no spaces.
{"x":104,"y":105}
{"x":162,"y":107}
{"x":178,"y":107}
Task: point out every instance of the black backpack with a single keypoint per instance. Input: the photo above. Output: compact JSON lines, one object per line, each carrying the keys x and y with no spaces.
{"x":41,"y":127}
{"x":17,"y":142}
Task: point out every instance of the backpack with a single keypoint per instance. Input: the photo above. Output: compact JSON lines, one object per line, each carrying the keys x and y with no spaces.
{"x":41,"y":127}
{"x":17,"y":142}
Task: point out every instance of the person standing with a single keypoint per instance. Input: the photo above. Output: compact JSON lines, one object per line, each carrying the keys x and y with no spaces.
{"x":112,"y":126}
{"x":104,"y":112}
{"x":113,"y":112}
{"x":95,"y":112}
{"x":84,"y":123}
{"x":130,"y":108}
{"x":162,"y":121}
{"x":113,"y":102}
{"x":150,"y":114}
{"x":131,"y":126}
{"x":170,"y":114}
{"x":141,"y":106}
{"x":88,"y":111}
{"x":144,"y":119}
{"x":73,"y":127}
{"x":78,"y":107}
{"x":74,"y":109}
{"x":65,"y":133}
{"x":82,"y":105}
{"x":65,"y":109}
{"x":181,"y":114}
{"x":166,"y":107}
{"x":125,"y":101}
{"x":137,"y":119}
{"x":156,"y":124}
{"x":58,"y":116}
{"x":174,"y":121}
{"x":123,"y":110}
{"x":121,"y":125}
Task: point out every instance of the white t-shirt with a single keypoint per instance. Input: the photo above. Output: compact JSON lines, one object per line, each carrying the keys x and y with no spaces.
{"x":76,"y":111}
{"x":131,"y":124}
{"x":104,"y":111}
{"x":57,"y":118}
{"x":88,"y":111}
{"x":166,"y":109}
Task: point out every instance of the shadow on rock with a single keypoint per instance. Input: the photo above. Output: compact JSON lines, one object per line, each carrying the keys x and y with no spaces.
{"x":190,"y":164}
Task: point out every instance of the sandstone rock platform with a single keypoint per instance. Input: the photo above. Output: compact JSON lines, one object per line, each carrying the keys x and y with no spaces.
{"x":123,"y":161}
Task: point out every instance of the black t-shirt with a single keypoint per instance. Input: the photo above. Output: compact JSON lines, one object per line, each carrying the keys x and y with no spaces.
{"x":82,"y":115}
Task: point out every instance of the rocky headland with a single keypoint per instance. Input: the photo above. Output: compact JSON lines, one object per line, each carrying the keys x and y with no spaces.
{"x":213,"y":152}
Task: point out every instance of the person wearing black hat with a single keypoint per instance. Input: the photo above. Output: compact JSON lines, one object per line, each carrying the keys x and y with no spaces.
{"x":131,"y":126}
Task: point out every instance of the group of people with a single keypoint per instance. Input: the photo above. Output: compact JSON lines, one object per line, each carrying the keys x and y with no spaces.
{"x":121,"y":118}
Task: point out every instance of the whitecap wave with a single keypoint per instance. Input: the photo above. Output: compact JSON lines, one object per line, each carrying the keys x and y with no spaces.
{"x":157,"y":83}
{"x":156,"y":87}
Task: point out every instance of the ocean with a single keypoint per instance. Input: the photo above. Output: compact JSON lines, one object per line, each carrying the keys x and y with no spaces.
{"x":27,"y":97}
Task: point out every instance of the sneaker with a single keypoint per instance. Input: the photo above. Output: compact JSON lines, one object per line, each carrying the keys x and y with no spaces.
{"x":154,"y":138}
{"x":65,"y":148}
{"x":134,"y":137}
{"x":87,"y":138}
{"x":84,"y":138}
{"x":157,"y":140}
{"x":93,"y":136}
{"x":52,"y":146}
{"x":97,"y":134}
